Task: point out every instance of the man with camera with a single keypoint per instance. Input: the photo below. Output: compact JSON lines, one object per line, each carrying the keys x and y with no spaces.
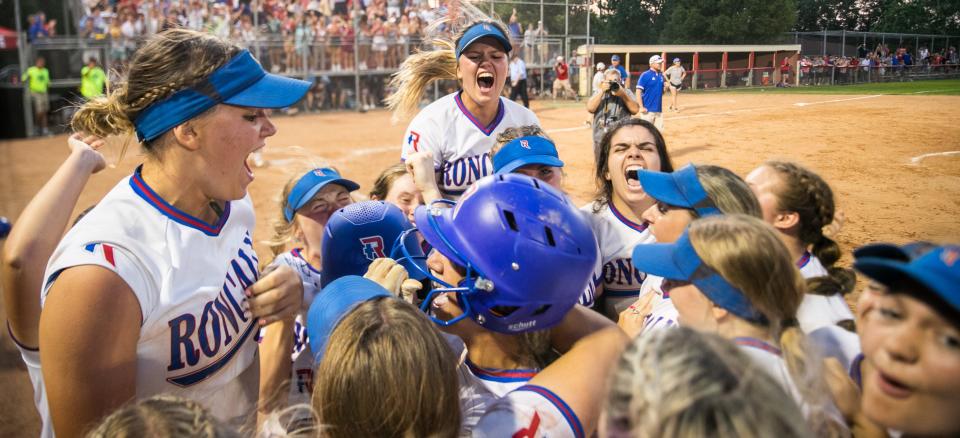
{"x":610,"y":103}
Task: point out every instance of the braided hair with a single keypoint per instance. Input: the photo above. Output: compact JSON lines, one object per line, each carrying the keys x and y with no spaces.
{"x":170,"y":61}
{"x":806,"y":193}
{"x":162,"y":415}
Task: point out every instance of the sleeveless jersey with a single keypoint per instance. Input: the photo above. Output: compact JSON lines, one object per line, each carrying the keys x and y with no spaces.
{"x":818,"y":311}
{"x":459,"y":143}
{"x":301,"y":382}
{"x":188,"y":276}
{"x":529,"y":411}
{"x":617,"y":236}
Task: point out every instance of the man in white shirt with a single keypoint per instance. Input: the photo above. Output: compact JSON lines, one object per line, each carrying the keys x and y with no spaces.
{"x":518,"y":79}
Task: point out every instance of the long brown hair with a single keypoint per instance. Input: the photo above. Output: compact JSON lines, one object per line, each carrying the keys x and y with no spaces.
{"x":387,"y":372}
{"x":604,"y":192}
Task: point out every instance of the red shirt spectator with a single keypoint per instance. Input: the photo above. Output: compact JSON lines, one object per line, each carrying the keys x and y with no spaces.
{"x":563,"y":70}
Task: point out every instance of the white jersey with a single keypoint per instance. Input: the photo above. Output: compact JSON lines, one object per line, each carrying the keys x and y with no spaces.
{"x":662,"y":313}
{"x":301,"y":382}
{"x":500,"y":382}
{"x":31,"y":357}
{"x":818,"y":311}
{"x":460,"y":145}
{"x":529,"y":411}
{"x":589,"y":296}
{"x":617,"y":236}
{"x":188,"y":276}
{"x":770,"y":359}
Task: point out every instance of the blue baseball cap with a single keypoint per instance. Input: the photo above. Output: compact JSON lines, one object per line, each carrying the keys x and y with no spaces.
{"x":309,"y":184}
{"x":938,"y":271}
{"x":362,"y":232}
{"x":679,"y":261}
{"x":482,"y":30}
{"x":522,"y":151}
{"x":332,"y":304}
{"x":903,"y":253}
{"x":615,"y":58}
{"x":241,"y":82}
{"x":680,"y":188}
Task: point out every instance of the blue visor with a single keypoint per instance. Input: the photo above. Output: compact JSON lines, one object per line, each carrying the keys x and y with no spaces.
{"x":481,"y":30}
{"x":523,"y":151}
{"x":332,"y":304}
{"x":680,"y":188}
{"x":241,"y":82}
{"x":308,"y":186}
{"x":679,"y":261}
{"x":903,"y":253}
{"x":938,"y":271}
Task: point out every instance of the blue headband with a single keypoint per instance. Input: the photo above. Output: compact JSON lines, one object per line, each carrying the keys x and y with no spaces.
{"x":241,"y":81}
{"x":523,"y":151}
{"x":481,"y":30}
{"x":680,"y":188}
{"x":679,"y":261}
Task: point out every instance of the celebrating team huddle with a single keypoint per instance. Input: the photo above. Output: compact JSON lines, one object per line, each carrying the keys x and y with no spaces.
{"x":465,"y":294}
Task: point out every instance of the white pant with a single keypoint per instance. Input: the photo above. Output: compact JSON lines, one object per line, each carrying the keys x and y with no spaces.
{"x":655,"y":118}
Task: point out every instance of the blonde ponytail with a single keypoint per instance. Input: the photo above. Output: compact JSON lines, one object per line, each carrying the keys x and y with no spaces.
{"x":417,"y":72}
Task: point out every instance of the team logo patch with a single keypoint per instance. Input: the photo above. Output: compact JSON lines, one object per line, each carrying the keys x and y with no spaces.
{"x":525,"y":144}
{"x":372,"y":247}
{"x":486,"y":27}
{"x":319,"y":172}
{"x":107,"y":252}
{"x":950,"y":256}
{"x":414,"y":140}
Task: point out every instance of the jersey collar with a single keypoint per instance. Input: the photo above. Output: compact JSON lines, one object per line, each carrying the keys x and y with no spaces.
{"x":623,"y":219}
{"x":486,"y":130}
{"x":141,"y":188}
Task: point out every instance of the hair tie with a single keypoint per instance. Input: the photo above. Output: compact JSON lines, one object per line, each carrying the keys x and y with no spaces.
{"x":789,"y":323}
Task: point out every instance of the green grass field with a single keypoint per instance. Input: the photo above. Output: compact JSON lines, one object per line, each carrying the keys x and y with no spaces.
{"x":934,"y":87}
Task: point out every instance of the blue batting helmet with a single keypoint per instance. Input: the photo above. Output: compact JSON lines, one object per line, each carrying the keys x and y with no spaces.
{"x":527,"y":250}
{"x":362,"y":232}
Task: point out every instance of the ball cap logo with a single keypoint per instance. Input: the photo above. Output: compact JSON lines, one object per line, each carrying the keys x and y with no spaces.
{"x":486,"y":27}
{"x":524,"y":144}
{"x":950,"y":257}
{"x":318,"y":172}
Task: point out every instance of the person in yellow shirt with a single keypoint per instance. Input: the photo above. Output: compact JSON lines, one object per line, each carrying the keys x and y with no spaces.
{"x":38,"y":80}
{"x":92,"y":80}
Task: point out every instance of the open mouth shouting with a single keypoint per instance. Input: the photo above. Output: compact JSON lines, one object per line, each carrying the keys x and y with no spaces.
{"x":485,"y":81}
{"x":631,"y":174}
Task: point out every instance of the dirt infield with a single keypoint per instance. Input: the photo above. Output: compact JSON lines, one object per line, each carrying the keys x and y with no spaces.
{"x":887,"y":158}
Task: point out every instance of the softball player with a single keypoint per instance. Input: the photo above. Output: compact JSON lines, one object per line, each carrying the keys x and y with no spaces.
{"x":911,"y":341}
{"x":731,"y":274}
{"x":167,"y":253}
{"x":675,"y":76}
{"x":308,"y":202}
{"x":626,"y":148}
{"x":529,"y":151}
{"x":29,"y":246}
{"x":460,"y":128}
{"x":396,"y":186}
{"x":530,"y":296}
{"x":682,"y":196}
{"x":799,"y":204}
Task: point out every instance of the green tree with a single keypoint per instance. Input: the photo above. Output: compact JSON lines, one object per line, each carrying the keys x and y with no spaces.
{"x":727,"y":21}
{"x":938,"y":17}
{"x":627,"y":21}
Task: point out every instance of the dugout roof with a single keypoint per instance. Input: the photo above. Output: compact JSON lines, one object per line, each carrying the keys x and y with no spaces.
{"x":686,"y":48}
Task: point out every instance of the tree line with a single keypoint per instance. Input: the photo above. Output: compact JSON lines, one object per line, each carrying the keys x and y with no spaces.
{"x":764,"y":21}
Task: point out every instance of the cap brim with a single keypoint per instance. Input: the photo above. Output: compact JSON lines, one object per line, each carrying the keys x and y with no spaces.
{"x":891,"y":273}
{"x":881,"y":250}
{"x":346,"y":183}
{"x":663,"y":187}
{"x":507,"y":47}
{"x":422,"y":217}
{"x":271,"y":91}
{"x":546,"y":160}
{"x":657,"y":259}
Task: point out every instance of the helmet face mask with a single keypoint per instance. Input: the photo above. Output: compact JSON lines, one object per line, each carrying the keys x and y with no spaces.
{"x":527,"y":253}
